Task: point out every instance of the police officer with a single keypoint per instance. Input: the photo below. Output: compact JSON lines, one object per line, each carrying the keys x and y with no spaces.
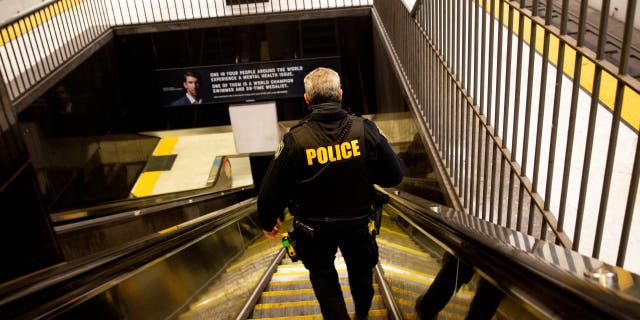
{"x":324,"y":171}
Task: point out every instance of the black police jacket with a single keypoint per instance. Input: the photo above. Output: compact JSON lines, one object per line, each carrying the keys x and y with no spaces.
{"x":325,"y":168}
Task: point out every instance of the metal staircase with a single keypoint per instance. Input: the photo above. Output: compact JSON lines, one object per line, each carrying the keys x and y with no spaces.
{"x":409,"y":270}
{"x":290,"y":295}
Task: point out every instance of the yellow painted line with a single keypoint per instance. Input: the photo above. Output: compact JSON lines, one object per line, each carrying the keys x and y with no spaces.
{"x":24,"y":25}
{"x":466,"y":294}
{"x":277,"y":283}
{"x":280,"y":293}
{"x":145,"y":184}
{"x":372,"y":313}
{"x":608,"y":82}
{"x":147,"y":180}
{"x":417,"y":277}
{"x":403,"y":248}
{"x":397,"y":233}
{"x":305,"y":303}
{"x":165,"y":146}
{"x":406,"y":292}
{"x":285,"y":267}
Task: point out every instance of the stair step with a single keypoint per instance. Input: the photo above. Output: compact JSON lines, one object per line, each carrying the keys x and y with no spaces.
{"x":303,"y":308}
{"x":300,"y":294}
{"x":299,"y":284}
{"x":377,"y":314}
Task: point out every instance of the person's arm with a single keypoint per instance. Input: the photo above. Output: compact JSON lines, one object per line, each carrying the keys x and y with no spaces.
{"x":274,"y":192}
{"x":388,"y":167}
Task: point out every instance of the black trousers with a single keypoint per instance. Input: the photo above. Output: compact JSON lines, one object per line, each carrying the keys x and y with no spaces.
{"x":453,"y":275}
{"x":360,"y":253}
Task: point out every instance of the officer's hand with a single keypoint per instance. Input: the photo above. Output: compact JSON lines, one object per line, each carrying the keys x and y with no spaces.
{"x":273,"y":233}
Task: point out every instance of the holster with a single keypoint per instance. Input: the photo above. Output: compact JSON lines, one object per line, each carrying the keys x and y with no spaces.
{"x":379,"y":200}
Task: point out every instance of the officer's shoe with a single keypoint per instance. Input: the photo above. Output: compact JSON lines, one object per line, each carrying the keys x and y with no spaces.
{"x":360,"y":318}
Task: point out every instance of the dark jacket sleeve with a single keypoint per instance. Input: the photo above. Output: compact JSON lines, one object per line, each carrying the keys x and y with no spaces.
{"x":388,"y":169}
{"x":276,"y":185}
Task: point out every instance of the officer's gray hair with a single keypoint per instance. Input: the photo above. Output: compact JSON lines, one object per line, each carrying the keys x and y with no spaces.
{"x":322,"y":85}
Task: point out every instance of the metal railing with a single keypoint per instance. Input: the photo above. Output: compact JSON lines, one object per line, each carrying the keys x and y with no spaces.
{"x":38,"y":43}
{"x":482,"y":76}
{"x":520,"y":110}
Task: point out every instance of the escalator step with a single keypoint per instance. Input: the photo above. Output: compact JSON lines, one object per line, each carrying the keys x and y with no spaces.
{"x":299,"y":294}
{"x":298,"y":284}
{"x":393,"y":271}
{"x":378,"y":314}
{"x":302,"y":308}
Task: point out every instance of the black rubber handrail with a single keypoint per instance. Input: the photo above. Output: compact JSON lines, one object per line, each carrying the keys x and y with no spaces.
{"x":525,"y":268}
{"x":141,"y":206}
{"x":47,"y":291}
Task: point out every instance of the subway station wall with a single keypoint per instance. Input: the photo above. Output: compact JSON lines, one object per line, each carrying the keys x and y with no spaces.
{"x":114,"y":95}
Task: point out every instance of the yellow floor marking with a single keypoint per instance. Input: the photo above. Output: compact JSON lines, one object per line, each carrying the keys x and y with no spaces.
{"x":24,"y":25}
{"x":372,"y":313}
{"x":147,"y":180}
{"x":165,"y":146}
{"x":145,"y":184}
{"x":305,"y":303}
{"x":607,"y":87}
{"x":285,"y":267}
{"x":608,"y":82}
{"x":397,"y":233}
{"x":279,"y":293}
{"x":277,"y":283}
{"x":403,"y":248}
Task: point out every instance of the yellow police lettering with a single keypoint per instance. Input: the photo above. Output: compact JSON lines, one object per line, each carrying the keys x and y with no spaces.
{"x":322,"y":155}
{"x":345,"y":149}
{"x":338,"y":155}
{"x":330,"y":151}
{"x":337,"y":152}
{"x":311,"y":153}
{"x":355,"y":148}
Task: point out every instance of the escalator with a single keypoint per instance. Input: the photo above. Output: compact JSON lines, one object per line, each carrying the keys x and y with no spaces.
{"x":219,"y":266}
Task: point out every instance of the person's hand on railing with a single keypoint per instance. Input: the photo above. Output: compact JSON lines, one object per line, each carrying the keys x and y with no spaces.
{"x":274,"y":232}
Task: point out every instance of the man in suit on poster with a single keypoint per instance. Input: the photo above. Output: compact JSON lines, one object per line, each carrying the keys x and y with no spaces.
{"x":191,"y":83}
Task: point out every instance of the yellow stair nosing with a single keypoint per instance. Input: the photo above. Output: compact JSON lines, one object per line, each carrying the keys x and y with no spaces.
{"x":297,"y":281}
{"x":403,"y":248}
{"x":289,"y":304}
{"x":372,"y":313}
{"x":278,"y":293}
{"x":397,"y":233}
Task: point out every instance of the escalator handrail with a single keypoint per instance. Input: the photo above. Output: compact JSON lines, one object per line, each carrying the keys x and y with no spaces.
{"x":115,"y":216}
{"x":518,"y":263}
{"x":151,"y":203}
{"x":78,"y":279}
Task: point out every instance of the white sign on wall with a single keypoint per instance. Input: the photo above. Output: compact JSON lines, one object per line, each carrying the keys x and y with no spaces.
{"x":255,"y":126}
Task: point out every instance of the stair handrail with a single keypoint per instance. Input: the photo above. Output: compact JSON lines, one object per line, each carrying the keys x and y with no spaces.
{"x":522,"y":266}
{"x":131,"y":206}
{"x":249,"y":305}
{"x":52,"y":290}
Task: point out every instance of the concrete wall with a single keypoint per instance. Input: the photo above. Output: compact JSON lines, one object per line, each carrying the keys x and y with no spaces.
{"x":14,"y":8}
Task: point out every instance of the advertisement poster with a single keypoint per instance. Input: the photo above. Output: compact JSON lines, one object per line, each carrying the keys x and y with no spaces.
{"x":243,"y":82}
